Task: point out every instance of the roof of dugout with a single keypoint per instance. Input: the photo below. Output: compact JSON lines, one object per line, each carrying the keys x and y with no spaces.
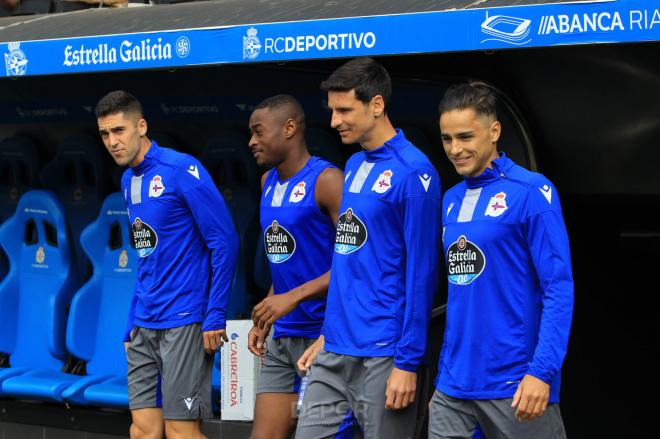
{"x":238,"y":31}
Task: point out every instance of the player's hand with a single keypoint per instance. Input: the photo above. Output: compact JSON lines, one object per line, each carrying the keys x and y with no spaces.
{"x":213,"y":340}
{"x":126,"y":346}
{"x":531,"y":398}
{"x":401,"y":389}
{"x":257,"y":340}
{"x":307,"y":358}
{"x":272,"y":308}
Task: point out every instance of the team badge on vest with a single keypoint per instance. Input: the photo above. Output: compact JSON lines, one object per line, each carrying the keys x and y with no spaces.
{"x":465,"y":261}
{"x":383,"y":183}
{"x":279,"y":243}
{"x":298,"y":192}
{"x":351,"y":233}
{"x":156,"y":187}
{"x":144,"y":237}
{"x":496,"y":205}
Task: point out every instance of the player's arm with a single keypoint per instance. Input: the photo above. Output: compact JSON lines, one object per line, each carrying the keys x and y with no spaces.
{"x":327,"y":194}
{"x":214,"y":221}
{"x":421,"y":219}
{"x":257,"y":336}
{"x":547,"y":240}
{"x":130,"y":323}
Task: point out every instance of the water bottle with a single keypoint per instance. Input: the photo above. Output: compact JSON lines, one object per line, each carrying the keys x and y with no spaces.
{"x":301,"y":393}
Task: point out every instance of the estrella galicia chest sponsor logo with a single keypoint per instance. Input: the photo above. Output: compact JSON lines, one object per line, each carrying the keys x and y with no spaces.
{"x":144,"y":237}
{"x":15,"y":61}
{"x":351,"y":233}
{"x":465,"y":261}
{"x":279,"y":243}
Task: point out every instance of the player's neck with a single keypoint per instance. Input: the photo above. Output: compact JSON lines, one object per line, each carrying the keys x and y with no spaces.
{"x":381,"y":133}
{"x":145,"y":145}
{"x":294,"y":162}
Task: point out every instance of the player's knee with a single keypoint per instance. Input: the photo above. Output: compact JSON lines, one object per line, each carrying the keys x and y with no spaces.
{"x":145,"y":430}
{"x":183,"y":430}
{"x":260,"y":434}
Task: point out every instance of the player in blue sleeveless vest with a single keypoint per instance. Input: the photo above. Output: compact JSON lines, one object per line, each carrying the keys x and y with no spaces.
{"x":510,"y":297}
{"x":299,"y":205}
{"x":384,"y":270}
{"x":187,"y":247}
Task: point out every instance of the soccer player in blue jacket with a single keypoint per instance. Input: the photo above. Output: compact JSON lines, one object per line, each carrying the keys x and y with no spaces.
{"x":187,"y":246}
{"x":510,"y":298}
{"x":384,"y":269}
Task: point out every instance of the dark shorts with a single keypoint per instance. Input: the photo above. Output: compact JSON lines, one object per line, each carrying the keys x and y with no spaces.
{"x":458,"y":418}
{"x":343,"y":389}
{"x":279,"y":373}
{"x":169,"y":368}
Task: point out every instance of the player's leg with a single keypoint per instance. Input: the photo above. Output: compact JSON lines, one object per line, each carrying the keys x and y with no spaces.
{"x":274,"y":416}
{"x":186,"y":381}
{"x":183,"y":429}
{"x":277,"y":391}
{"x":451,"y":418}
{"x":144,"y":385}
{"x":497,"y":419}
{"x":147,"y":423}
{"x":367,"y":390}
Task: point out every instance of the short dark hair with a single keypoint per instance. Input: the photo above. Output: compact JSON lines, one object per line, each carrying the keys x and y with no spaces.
{"x":365,"y":76}
{"x":118,"y":101}
{"x":286,"y":104}
{"x":479,"y":96}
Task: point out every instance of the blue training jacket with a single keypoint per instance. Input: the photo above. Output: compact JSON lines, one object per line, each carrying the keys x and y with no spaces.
{"x":186,"y":241}
{"x":510,"y":284}
{"x":298,"y":240}
{"x":385,"y":267}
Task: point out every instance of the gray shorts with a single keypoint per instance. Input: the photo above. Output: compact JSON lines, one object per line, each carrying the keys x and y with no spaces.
{"x":457,"y":419}
{"x":169,"y":368}
{"x":279,"y":373}
{"x":341,"y":387}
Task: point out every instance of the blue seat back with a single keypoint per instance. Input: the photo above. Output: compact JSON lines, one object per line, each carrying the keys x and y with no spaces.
{"x":79,"y":175}
{"x":19,"y":172}
{"x":100,"y":308}
{"x":36,"y":292}
{"x":232,"y":167}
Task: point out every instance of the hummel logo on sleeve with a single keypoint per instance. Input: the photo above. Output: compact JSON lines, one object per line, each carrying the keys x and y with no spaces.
{"x":426,"y":180}
{"x":547,"y":192}
{"x":192,"y":170}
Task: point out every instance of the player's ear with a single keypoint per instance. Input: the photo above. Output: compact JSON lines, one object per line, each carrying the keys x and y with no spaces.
{"x":290,"y":128}
{"x":142,"y":127}
{"x":495,"y":131}
{"x":377,"y":105}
